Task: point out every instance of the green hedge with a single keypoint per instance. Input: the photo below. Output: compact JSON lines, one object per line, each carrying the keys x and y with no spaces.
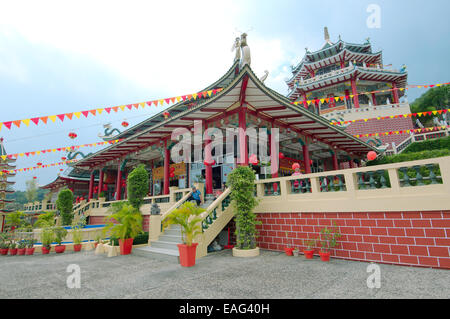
{"x":138,"y":240}
{"x":429,"y":145}
{"x":405,"y":157}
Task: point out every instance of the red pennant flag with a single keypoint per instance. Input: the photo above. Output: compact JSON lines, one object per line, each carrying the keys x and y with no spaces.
{"x":149,"y":103}
{"x":35,"y":120}
{"x":8,"y":124}
{"x":85,"y":113}
{"x":167,"y":101}
{"x":183,"y":97}
{"x":27,"y":154}
{"x":129,"y":106}
{"x":61,"y":117}
{"x":108,"y":109}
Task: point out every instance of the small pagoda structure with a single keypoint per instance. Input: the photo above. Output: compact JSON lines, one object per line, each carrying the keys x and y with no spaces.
{"x":345,"y":81}
{"x":6,"y":165}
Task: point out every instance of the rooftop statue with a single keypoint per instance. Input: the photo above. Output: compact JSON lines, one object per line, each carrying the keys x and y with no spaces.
{"x":245,"y":51}
{"x":236,"y":47}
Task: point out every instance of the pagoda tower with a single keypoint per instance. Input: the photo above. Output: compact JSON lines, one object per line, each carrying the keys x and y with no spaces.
{"x":345,"y":81}
{"x":6,"y":165}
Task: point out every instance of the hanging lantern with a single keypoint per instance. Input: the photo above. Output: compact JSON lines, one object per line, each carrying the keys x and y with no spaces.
{"x":60,"y":169}
{"x":73,"y":135}
{"x":253,"y":159}
{"x":295,"y":166}
{"x":171,"y":175}
{"x":172,"y":169}
{"x":281,"y":155}
{"x":371,"y":155}
{"x":39,"y":164}
{"x":125,"y":124}
{"x":63,"y":158}
{"x":34,"y":177}
{"x":166,"y":115}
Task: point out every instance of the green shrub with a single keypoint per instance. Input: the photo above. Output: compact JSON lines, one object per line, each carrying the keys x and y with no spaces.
{"x":429,"y":145}
{"x":129,"y":221}
{"x":137,"y":186}
{"x":64,"y":203}
{"x":45,"y":220}
{"x":59,"y":233}
{"x":405,"y":157}
{"x":47,"y":237}
{"x":140,"y":239}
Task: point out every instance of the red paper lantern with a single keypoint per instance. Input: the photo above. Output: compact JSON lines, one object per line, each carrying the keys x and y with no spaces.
{"x":172,"y":169}
{"x":281,"y":155}
{"x":63,"y":158}
{"x":295,"y":166}
{"x":371,"y":155}
{"x":125,"y":124}
{"x":34,"y":177}
{"x":72,"y":135}
{"x":172,"y":175}
{"x":253,"y":159}
{"x":166,"y":114}
{"x":39,"y":164}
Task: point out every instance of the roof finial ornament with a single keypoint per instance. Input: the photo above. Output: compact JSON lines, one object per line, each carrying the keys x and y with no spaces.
{"x":264,"y":77}
{"x":245,"y":59}
{"x":236,"y":47}
{"x":326,"y":34}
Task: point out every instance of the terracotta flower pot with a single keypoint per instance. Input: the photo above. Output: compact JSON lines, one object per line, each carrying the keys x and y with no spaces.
{"x":187,"y":254}
{"x":45,"y":250}
{"x":77,"y":247}
{"x":289,"y":251}
{"x":309,"y":254}
{"x":4,"y":251}
{"x":126,"y":246}
{"x":21,"y":251}
{"x":60,"y":249}
{"x":29,"y":251}
{"x":324,"y":256}
{"x":13,"y":251}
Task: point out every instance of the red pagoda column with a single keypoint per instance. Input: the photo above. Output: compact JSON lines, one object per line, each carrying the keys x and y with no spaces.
{"x":166,"y":168}
{"x":335,"y":162}
{"x":355,"y":93}
{"x":91,"y":186}
{"x":100,"y":182}
{"x":119,"y":182}
{"x":374,"y":99}
{"x":305,"y":104}
{"x":395,"y":92}
{"x":306,"y":159}
{"x":243,"y":149}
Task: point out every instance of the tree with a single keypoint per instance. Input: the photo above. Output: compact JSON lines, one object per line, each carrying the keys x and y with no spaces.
{"x":64,"y":203}
{"x":32,"y":190}
{"x":137,"y":186}
{"x":242,"y":183}
{"x":434,"y":99}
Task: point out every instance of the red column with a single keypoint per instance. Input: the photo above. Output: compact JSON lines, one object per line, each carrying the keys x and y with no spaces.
{"x":355,"y":93}
{"x":208,"y":167}
{"x":166,"y":168}
{"x":100,"y":182}
{"x":395,"y":92}
{"x":342,"y":64}
{"x":324,"y":166}
{"x":335,"y":162}
{"x":91,"y":186}
{"x":352,"y":164}
{"x":119,"y":183}
{"x":243,"y":149}
{"x":305,"y":104}
{"x":306,"y":159}
{"x":374,"y":99}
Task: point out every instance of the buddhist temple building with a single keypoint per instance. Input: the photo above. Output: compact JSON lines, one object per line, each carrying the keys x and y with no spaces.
{"x":6,"y":165}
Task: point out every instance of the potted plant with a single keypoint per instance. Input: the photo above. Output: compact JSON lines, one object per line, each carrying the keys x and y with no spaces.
{"x":30,"y":246}
{"x":242,"y":183}
{"x":288,"y":250}
{"x":188,"y":217}
{"x":329,"y":238}
{"x":21,"y":248}
{"x":295,"y":252}
{"x":129,"y":224}
{"x":77,"y":236}
{"x":13,"y":248}
{"x":309,"y":250}
{"x":46,"y":239}
{"x":60,"y":233}
{"x":4,"y":244}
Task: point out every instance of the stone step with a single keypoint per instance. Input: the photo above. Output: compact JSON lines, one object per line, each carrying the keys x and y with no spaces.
{"x":172,"y":232}
{"x":171,"y":238}
{"x":158,"y":253}
{"x":165,"y":245}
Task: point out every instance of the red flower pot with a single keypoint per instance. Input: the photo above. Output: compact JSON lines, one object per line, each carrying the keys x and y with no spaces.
{"x":13,"y":251}
{"x":21,"y":251}
{"x":4,"y":251}
{"x":187,"y":254}
{"x":289,"y":251}
{"x":324,"y":256}
{"x":309,"y":254}
{"x":95,"y":244}
{"x":126,"y":245}
{"x":60,"y":249}
{"x":29,"y":251}
{"x":45,"y":251}
{"x":77,"y":247}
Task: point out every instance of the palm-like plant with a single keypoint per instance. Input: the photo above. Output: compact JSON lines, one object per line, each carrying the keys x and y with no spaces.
{"x":77,"y":235}
{"x":188,"y":217}
{"x":129,"y":221}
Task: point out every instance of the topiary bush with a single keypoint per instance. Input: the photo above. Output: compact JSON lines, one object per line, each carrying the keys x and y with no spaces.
{"x":64,"y":203}
{"x":242,"y":183}
{"x":137,"y":186}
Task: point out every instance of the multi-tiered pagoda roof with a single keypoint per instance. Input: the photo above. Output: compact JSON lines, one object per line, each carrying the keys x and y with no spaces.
{"x":5,"y":184}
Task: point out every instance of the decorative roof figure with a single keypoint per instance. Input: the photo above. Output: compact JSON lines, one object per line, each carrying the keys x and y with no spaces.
{"x":236,"y":47}
{"x":245,"y":59}
{"x":264,"y":77}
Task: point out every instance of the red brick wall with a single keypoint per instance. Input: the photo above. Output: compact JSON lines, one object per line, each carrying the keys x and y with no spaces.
{"x":100,"y":220}
{"x":405,"y":238}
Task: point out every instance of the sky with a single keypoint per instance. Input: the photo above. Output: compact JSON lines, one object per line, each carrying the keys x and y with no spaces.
{"x":65,"y":56}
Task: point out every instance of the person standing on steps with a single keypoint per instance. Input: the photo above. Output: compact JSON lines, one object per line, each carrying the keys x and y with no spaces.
{"x":196,"y":195}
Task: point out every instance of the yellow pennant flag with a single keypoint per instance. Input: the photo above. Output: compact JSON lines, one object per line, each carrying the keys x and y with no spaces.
{"x":77,"y":114}
{"x":209,"y":92}
{"x":26,"y":122}
{"x":53,"y":118}
{"x":4,"y":157}
{"x":420,"y":114}
{"x":122,"y":107}
{"x":142,"y":104}
{"x":194,"y":95}
{"x":178,"y":98}
{"x":100,"y":111}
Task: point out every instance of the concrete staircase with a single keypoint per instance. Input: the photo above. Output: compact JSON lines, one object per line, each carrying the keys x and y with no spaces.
{"x":165,"y":246}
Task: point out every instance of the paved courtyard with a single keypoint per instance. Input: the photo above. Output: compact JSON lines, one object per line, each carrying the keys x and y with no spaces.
{"x":219,"y":275}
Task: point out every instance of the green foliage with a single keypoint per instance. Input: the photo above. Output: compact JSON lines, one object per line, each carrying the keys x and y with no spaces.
{"x":188,"y":217}
{"x":242,"y":183}
{"x":442,"y":143}
{"x":45,"y":220}
{"x":31,"y":192}
{"x":15,"y":219}
{"x":129,"y":221}
{"x":405,"y":157}
{"x":5,"y":240}
{"x":47,"y":236}
{"x":310,"y":244}
{"x":59,"y":234}
{"x":437,"y":98}
{"x":329,"y":237}
{"x":20,"y":198}
{"x":77,"y":235}
{"x":138,"y":240}
{"x":137,"y":186}
{"x":64,"y":203}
